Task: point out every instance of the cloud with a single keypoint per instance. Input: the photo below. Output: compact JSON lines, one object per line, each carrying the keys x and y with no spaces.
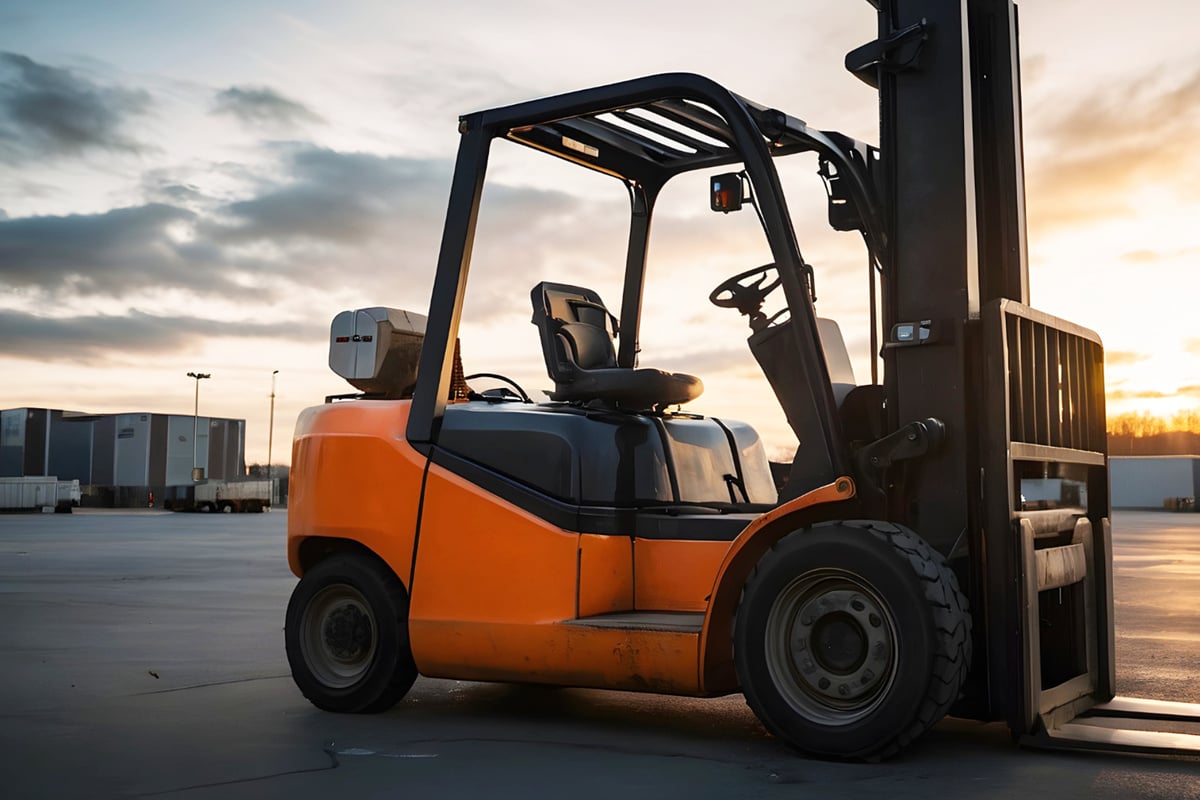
{"x":1192,"y":346}
{"x":329,"y":209}
{"x":366,"y":227}
{"x":1122,"y":394}
{"x":1141,"y":257}
{"x":1121,"y":358}
{"x":259,"y":105}
{"x":51,"y":112}
{"x":110,"y":254}
{"x":103,"y":338}
{"x":338,"y":197}
{"x":1148,"y":257}
{"x":1095,"y":150}
{"x":377,"y":220}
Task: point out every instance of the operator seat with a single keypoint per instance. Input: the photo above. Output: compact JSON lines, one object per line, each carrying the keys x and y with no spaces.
{"x":577,"y":334}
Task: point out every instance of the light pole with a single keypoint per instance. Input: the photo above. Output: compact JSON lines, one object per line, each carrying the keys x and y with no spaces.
{"x":197,"y":473}
{"x":271,"y":440}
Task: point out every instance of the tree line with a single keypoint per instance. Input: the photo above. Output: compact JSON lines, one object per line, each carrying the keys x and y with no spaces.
{"x":1140,"y":433}
{"x":1141,"y":424}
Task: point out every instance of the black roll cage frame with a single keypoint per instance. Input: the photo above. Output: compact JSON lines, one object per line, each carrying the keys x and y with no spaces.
{"x":644,"y":132}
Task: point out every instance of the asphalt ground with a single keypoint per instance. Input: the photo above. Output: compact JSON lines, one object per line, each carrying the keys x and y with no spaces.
{"x":141,"y":655}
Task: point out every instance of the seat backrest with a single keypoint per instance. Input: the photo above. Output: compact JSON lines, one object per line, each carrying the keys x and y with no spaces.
{"x":576,"y":330}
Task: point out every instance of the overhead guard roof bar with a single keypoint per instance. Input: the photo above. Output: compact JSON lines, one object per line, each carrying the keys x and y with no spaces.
{"x":661,"y":136}
{"x":671,"y":107}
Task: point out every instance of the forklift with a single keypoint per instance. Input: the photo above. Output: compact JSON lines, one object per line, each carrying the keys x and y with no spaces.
{"x":908,"y":563}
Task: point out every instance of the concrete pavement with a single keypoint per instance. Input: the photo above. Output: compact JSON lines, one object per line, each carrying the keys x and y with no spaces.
{"x":143,"y":657}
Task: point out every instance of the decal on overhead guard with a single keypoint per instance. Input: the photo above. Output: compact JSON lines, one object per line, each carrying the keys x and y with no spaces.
{"x":580,"y":147}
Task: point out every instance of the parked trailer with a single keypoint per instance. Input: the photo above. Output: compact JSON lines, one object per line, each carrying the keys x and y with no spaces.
{"x":233,"y":496}
{"x":34,"y":493}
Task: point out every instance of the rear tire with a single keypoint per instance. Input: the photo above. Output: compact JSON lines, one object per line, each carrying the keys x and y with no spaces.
{"x":346,"y":633}
{"x":851,"y":639}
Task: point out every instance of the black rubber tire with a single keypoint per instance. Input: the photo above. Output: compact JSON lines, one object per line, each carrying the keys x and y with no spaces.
{"x":373,"y":593}
{"x":928,"y":647}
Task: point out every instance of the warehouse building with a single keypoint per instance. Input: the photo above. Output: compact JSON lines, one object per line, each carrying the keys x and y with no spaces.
{"x":121,"y":458}
{"x":1155,"y":481}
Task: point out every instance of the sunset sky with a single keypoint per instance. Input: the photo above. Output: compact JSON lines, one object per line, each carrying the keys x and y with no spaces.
{"x":202,"y":186}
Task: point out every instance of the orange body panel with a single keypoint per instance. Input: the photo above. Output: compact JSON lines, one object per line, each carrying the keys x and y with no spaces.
{"x":605,"y":574}
{"x":716,"y":643}
{"x":495,"y":589}
{"x":676,"y":575}
{"x":559,"y":653}
{"x":355,"y":477}
{"x":481,"y":559}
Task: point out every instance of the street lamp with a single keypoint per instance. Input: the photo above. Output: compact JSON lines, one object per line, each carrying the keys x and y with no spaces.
{"x":271,"y":440}
{"x":197,"y":472}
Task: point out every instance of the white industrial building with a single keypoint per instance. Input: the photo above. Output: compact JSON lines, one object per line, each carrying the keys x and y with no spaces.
{"x":121,"y":459}
{"x":1153,"y":481}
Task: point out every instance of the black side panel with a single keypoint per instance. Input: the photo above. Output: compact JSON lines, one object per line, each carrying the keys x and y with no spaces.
{"x":36,"y":425}
{"x":217,"y":435}
{"x":703,"y":462}
{"x":601,"y":458}
{"x":12,"y":442}
{"x":606,"y":472}
{"x":104,"y":442}
{"x":553,"y":469}
{"x":70,"y":449}
{"x":755,"y":469}
{"x":158,"y":450}
{"x":665,"y":523}
{"x":578,"y":456}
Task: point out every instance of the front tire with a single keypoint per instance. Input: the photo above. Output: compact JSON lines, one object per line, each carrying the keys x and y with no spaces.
{"x":851,"y":639}
{"x":346,"y":634}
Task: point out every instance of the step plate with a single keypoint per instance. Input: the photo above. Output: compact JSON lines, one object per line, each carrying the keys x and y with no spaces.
{"x":667,"y":621}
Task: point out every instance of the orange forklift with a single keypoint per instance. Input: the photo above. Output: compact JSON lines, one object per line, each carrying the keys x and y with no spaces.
{"x":940,"y":541}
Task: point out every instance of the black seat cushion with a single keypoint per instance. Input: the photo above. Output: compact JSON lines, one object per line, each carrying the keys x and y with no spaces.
{"x":577,"y":333}
{"x":634,"y":389}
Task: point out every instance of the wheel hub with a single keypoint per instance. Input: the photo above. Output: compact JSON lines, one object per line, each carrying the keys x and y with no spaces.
{"x":347,"y":632}
{"x":338,"y":636}
{"x":840,"y":644}
{"x":831,"y":646}
{"x":840,"y":647}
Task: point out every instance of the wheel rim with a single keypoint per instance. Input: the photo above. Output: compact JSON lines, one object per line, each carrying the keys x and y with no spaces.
{"x":338,"y":636}
{"x":831,"y":646}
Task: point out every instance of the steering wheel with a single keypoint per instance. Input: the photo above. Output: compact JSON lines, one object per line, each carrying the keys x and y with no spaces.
{"x":746,"y":291}
{"x":493,"y":395}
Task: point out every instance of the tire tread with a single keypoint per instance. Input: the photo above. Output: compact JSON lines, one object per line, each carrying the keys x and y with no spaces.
{"x":951,"y":622}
